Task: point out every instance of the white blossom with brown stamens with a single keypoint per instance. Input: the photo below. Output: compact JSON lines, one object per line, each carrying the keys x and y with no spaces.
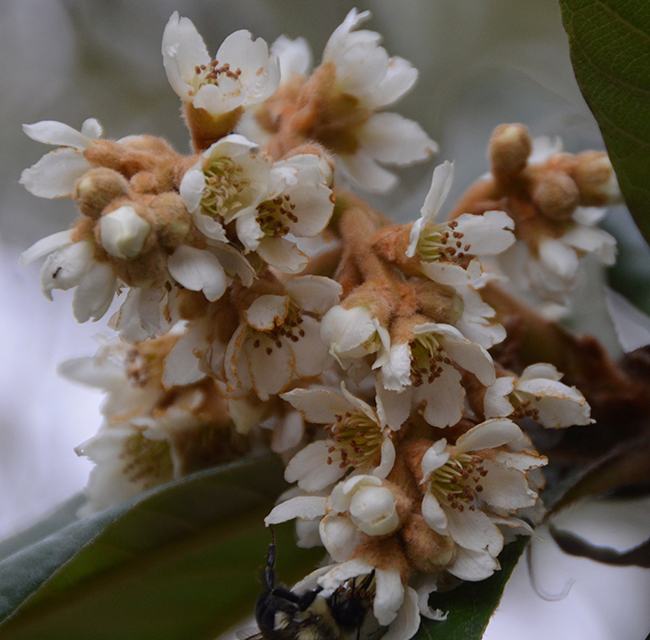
{"x":443,"y":246}
{"x":229,"y":180}
{"x":279,"y":338}
{"x":422,"y":372}
{"x":537,"y":394}
{"x":470,"y":485}
{"x":356,"y":440}
{"x":241,"y":74}
{"x":56,"y":173}
{"x":299,"y":205}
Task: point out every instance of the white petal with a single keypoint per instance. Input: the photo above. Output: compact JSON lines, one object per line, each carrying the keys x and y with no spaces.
{"x":282,"y":254}
{"x":310,"y":469}
{"x":596,"y":241}
{"x":445,"y":273}
{"x":474,"y":530}
{"x":55,"y":174}
{"x":443,"y":176}
{"x":66,"y":267}
{"x":312,"y":356}
{"x":444,"y":397}
{"x":487,"y":234}
{"x":267,"y":311}
{"x":488,"y":435}
{"x":91,"y":129}
{"x":473,"y":565}
{"x":435,"y":457}
{"x":306,"y":507}
{"x":123,"y":232}
{"x":318,"y":405}
{"x":341,"y":573}
{"x":393,"y":139}
{"x":540,"y":370}
{"x":46,"y":245}
{"x":107,"y":375}
{"x":560,"y":259}
{"x":467,"y":354}
{"x":57,"y":133}
{"x":434,"y":515}
{"x":294,"y":56}
{"x":399,"y":80}
{"x":393,"y":408}
{"x":269,"y":373}
{"x":389,"y":595}
{"x":396,"y":371}
{"x":234,"y":262}
{"x":95,"y":292}
{"x":387,"y":459}
{"x":495,"y":401}
{"x":198,"y":270}
{"x":181,"y":366}
{"x":191,"y":187}
{"x":426,"y":585}
{"x":506,"y":488}
{"x":339,"y":536}
{"x":407,"y":622}
{"x":314,"y":293}
{"x":222,"y":98}
{"x":183,"y":50}
{"x":249,"y":232}
{"x":366,"y":173}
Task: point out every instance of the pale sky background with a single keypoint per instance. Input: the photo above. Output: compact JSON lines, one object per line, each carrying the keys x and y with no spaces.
{"x":482,"y":62}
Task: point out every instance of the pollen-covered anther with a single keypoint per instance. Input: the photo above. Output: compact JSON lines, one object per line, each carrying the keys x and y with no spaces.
{"x":459,"y":481}
{"x":223,"y":184}
{"x":427,"y":356}
{"x":272,"y":216}
{"x":210,"y":74}
{"x":441,"y":242}
{"x":356,"y":438}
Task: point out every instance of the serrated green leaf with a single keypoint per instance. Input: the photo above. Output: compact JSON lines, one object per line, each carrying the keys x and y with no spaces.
{"x":471,"y":604}
{"x":610,"y":51}
{"x":179,"y":562}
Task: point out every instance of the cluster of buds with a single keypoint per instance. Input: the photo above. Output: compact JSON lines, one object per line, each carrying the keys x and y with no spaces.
{"x":269,"y":308}
{"x":555,"y":200}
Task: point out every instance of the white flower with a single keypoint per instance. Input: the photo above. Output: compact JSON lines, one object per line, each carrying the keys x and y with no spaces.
{"x":364,"y":70}
{"x":72,"y":265}
{"x":477,"y":322}
{"x":241,"y":74}
{"x":55,"y":174}
{"x":229,"y":181}
{"x":198,"y":270}
{"x":538,"y":394}
{"x":474,"y":484}
{"x":422,"y":371}
{"x":299,"y":205}
{"x":352,"y":334}
{"x":123,"y":232}
{"x":128,"y":460}
{"x":356,"y":439}
{"x":279,"y":339}
{"x":294,"y":57}
{"x":442,"y":246}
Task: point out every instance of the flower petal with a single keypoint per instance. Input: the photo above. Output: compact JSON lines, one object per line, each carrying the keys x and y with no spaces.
{"x":198,"y":270}
{"x":389,"y":595}
{"x":407,"y":621}
{"x":55,"y":174}
{"x":488,"y":435}
{"x":57,"y":133}
{"x":306,"y":507}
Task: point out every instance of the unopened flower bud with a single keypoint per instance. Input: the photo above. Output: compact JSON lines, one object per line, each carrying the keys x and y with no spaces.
{"x":123,"y":232}
{"x":372,"y":509}
{"x":556,"y":195}
{"x":596,"y":179}
{"x":509,"y":149}
{"x":97,"y":188}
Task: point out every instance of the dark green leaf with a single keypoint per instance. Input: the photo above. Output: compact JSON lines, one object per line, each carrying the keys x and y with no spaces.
{"x":472,"y":604}
{"x":577,"y":546}
{"x":610,"y":51}
{"x":179,"y":562}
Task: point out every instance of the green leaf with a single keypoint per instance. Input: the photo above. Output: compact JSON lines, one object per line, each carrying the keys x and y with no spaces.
{"x":179,"y":562}
{"x":610,"y":51}
{"x":472,"y":604}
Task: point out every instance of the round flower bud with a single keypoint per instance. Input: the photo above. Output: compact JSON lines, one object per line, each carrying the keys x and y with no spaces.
{"x":123,"y":232}
{"x":556,"y":195}
{"x":97,"y":188}
{"x":509,"y":149}
{"x":596,"y":179}
{"x":372,"y":510}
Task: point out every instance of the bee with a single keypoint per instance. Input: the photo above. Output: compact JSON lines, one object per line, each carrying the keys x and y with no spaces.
{"x":282,"y":614}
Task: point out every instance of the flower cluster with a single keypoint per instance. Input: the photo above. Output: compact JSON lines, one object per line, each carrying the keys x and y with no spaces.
{"x":268,"y":308}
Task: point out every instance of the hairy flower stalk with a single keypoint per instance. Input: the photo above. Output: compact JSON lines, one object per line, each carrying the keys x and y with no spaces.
{"x":263,"y":308}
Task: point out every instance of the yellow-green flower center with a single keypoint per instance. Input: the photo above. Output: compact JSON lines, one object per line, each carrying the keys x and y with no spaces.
{"x":272,"y":216}
{"x":356,"y":438}
{"x":442,"y":243}
{"x":223,"y":185}
{"x":427,"y":356}
{"x":457,"y":483}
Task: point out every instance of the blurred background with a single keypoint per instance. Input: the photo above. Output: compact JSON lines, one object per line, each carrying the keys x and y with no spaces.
{"x":481,"y":62}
